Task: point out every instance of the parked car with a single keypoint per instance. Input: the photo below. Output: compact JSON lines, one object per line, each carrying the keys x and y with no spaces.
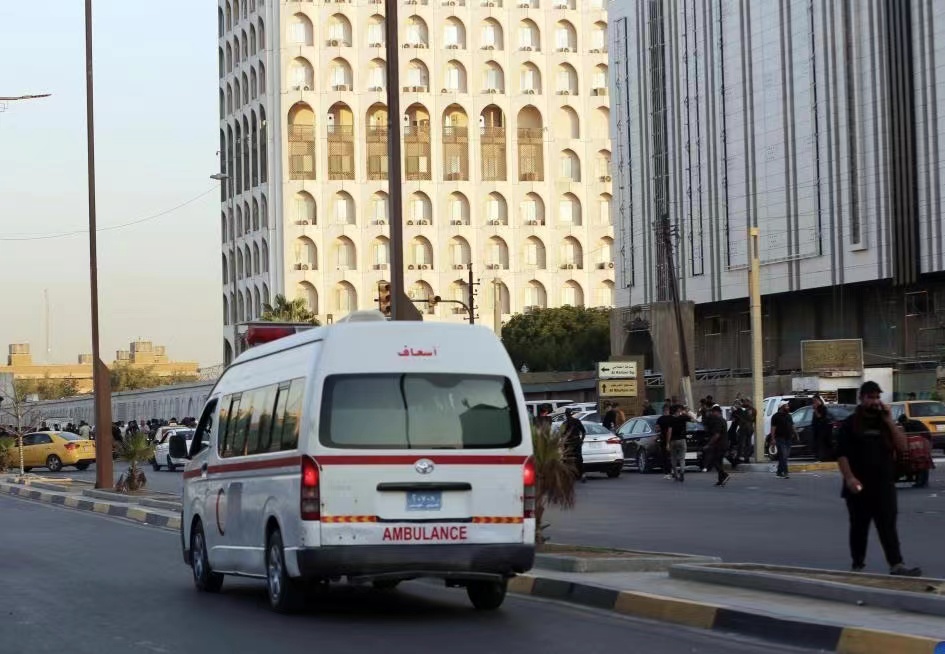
{"x":602,"y":451}
{"x":162,"y":456}
{"x":583,"y":413}
{"x":54,"y":450}
{"x":929,"y":412}
{"x":638,"y":438}
{"x":803,"y":425}
{"x":770,"y":406}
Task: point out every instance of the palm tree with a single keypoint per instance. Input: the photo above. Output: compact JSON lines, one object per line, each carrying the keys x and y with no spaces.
{"x":554,"y":476}
{"x":135,"y":449}
{"x":284,"y":310}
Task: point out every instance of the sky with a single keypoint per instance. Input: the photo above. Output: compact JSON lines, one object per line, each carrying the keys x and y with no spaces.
{"x":156,"y":142}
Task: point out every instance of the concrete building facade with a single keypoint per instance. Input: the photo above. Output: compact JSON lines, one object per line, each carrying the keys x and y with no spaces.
{"x":817,"y":121}
{"x":506,"y":154}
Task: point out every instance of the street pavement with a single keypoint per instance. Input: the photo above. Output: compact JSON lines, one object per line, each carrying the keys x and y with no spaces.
{"x":85,"y":583}
{"x":799,"y":521}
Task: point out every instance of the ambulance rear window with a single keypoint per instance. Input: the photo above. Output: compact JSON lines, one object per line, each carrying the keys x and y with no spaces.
{"x":419,"y":411}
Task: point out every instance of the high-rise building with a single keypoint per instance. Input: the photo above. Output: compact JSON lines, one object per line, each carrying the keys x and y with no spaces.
{"x":820,"y":122}
{"x":506,"y":155}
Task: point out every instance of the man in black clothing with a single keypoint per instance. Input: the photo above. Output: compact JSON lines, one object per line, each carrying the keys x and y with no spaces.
{"x":718,"y":443}
{"x":610,"y":417}
{"x":665,"y":422}
{"x":648,"y":409}
{"x":782,"y":431}
{"x":866,"y":451}
{"x":573,"y":433}
{"x":677,"y":442}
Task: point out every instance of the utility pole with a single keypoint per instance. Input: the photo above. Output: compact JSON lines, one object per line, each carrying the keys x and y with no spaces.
{"x":472,"y":295}
{"x":686,"y":381}
{"x":496,"y":306}
{"x":401,"y":306}
{"x":100,"y":377}
{"x":757,"y":355}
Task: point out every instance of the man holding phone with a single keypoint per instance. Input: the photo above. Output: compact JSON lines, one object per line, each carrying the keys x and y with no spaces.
{"x":866,"y":454}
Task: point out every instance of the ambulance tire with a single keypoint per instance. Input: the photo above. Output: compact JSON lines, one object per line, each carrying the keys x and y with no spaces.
{"x":285,"y":593}
{"x":205,"y":579}
{"x":486,"y":595}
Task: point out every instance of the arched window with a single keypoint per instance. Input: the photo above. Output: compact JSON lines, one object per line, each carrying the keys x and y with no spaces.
{"x":458,"y":207}
{"x":599,"y":80}
{"x":572,"y":254}
{"x":226,"y":271}
{"x":380,"y":252}
{"x":533,"y":210}
{"x":301,"y":75}
{"x":572,"y":294}
{"x":223,"y":232}
{"x":454,"y":34}
{"x":421,"y":254}
{"x":531,"y":136}
{"x":417,"y":33}
{"x":460,"y":253}
{"x":604,"y":213}
{"x":605,"y":255}
{"x":379,"y":208}
{"x":566,"y":81}
{"x":308,"y":293}
{"x":420,"y":209}
{"x":340,"y":77}
{"x":420,"y":290}
{"x":301,"y":32}
{"x":605,"y":294}
{"x":375,"y":32}
{"x":304,"y":209}
{"x":265,"y":256}
{"x":256,"y":267}
{"x":569,"y":210}
{"x":339,"y":32}
{"x":345,"y":298}
{"x":455,"y":78}
{"x":377,"y":76}
{"x":496,"y":209}
{"x":535,"y":254}
{"x":301,"y":142}
{"x":492,"y":140}
{"x":565,"y":37}
{"x":343,"y":212}
{"x":497,"y":254}
{"x":535,"y":295}
{"x":529,"y":37}
{"x":492,"y":36}
{"x":567,"y":123}
{"x":340,"y":141}
{"x":455,"y":144}
{"x":418,"y":76}
{"x":344,"y":254}
{"x":599,"y":37}
{"x":570,"y":166}
{"x":529,"y":79}
{"x":306,"y":254}
{"x":493,"y":78}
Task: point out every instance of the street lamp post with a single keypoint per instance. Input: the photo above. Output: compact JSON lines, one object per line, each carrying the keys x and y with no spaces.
{"x":231,"y":310}
{"x":100,"y":377}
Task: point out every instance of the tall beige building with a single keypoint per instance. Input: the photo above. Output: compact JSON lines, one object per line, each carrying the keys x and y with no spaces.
{"x":506,"y":143}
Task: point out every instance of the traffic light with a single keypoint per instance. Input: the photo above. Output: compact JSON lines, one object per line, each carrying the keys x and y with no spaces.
{"x":383,"y":298}
{"x":434,"y":301}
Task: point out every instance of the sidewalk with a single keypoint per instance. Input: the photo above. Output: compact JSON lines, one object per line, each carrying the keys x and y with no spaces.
{"x":81,"y":496}
{"x":793,"y":620}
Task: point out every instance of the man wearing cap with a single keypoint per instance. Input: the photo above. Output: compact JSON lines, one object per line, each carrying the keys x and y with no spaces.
{"x":782,"y":430}
{"x":866,"y":455}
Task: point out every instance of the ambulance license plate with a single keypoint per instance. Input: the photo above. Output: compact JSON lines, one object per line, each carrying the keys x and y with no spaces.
{"x":424,"y":500}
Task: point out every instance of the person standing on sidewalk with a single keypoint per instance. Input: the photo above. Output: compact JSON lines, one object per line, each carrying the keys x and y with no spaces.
{"x":718,"y":443}
{"x":782,"y":430}
{"x":822,"y":427}
{"x":866,"y":455}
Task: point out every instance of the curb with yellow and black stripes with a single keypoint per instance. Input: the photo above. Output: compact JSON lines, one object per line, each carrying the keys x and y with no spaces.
{"x":128,"y":512}
{"x":828,"y":638}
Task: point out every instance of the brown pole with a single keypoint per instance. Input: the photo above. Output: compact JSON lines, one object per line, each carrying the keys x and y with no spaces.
{"x":472,"y":297}
{"x":104,"y":477}
{"x":395,"y":193}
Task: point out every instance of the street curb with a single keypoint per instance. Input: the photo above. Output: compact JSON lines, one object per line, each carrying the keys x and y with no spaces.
{"x":700,"y":615}
{"x":813,"y":466}
{"x":127,"y":512}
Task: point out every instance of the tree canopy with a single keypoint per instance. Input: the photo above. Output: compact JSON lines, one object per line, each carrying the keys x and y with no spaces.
{"x":47,"y":388}
{"x":563,"y":338}
{"x":284,"y":310}
{"x":125,"y":377}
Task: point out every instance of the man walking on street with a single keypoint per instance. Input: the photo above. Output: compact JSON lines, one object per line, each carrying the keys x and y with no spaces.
{"x":866,"y":454}
{"x":718,"y":443}
{"x":610,"y":417}
{"x":782,"y":430}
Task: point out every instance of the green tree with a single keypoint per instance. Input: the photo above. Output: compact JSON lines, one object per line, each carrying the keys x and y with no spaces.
{"x":126,"y":377}
{"x":49,"y":388}
{"x":135,"y":450}
{"x":284,"y":310}
{"x":554,"y":476}
{"x":564,"y":338}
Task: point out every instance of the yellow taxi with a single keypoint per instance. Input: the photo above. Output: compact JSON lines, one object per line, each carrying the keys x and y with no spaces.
{"x":55,"y":449}
{"x":930,"y":413}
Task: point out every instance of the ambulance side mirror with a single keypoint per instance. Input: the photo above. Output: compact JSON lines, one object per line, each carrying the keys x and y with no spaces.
{"x":177,"y":447}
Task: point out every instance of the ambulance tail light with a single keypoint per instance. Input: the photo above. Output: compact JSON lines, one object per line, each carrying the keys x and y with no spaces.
{"x":310,"y":501}
{"x":529,"y":478}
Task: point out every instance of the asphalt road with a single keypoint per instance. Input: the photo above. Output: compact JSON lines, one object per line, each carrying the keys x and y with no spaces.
{"x":83,"y":583}
{"x":756,"y":518}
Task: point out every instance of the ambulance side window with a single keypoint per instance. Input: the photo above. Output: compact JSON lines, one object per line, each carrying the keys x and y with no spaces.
{"x":231,"y":441}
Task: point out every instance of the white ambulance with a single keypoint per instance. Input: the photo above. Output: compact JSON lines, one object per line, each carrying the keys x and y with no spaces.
{"x":372,"y":450}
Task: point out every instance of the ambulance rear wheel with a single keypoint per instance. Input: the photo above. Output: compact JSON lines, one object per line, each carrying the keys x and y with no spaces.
{"x":486,"y":595}
{"x":285,"y":593}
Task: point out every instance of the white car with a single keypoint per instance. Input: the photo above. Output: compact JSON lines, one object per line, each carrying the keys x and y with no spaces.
{"x":162,"y":456}
{"x":602,"y":451}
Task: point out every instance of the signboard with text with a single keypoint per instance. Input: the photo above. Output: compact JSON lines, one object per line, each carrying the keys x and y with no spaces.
{"x":617,"y":370}
{"x":617,"y":388}
{"x":843,"y":355}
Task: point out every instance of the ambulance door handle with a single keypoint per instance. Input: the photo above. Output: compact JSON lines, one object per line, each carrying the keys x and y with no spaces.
{"x":203,"y":470}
